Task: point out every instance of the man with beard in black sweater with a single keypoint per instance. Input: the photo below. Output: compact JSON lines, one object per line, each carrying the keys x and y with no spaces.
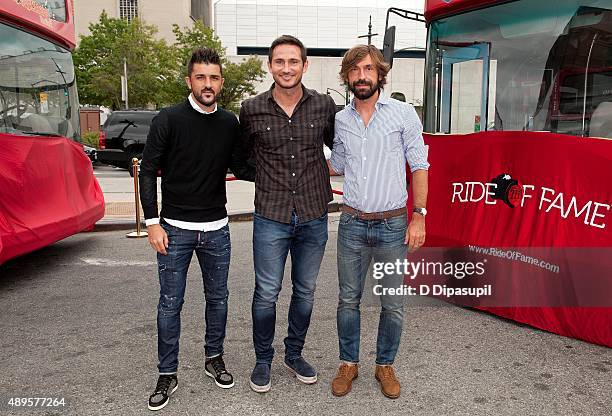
{"x":193,"y":144}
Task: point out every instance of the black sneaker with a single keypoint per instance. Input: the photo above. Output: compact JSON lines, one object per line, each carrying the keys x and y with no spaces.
{"x":215,"y":368}
{"x":166,"y":385}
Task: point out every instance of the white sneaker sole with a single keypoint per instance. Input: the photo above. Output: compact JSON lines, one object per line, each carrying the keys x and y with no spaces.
{"x":229,"y":386}
{"x":167,"y":401}
{"x":305,"y":380}
{"x":260,"y":389}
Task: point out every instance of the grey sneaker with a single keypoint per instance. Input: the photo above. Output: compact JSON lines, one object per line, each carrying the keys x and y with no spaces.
{"x":302,"y":370}
{"x":166,"y":385}
{"x":260,"y":378}
{"x":215,"y":368}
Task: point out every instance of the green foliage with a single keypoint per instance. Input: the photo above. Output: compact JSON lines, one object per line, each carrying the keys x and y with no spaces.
{"x":99,"y":63}
{"x":156,"y":71}
{"x":198,"y":36}
{"x":240,"y":78}
{"x":90,"y":138}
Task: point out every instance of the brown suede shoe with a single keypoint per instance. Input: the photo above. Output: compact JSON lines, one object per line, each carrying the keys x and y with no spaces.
{"x":342,"y":383}
{"x":389,"y":384}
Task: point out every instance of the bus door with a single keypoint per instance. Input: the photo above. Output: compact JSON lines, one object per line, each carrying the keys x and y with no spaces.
{"x":463,"y":86}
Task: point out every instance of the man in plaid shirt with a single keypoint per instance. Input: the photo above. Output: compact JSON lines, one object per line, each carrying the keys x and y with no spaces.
{"x":285,"y":128}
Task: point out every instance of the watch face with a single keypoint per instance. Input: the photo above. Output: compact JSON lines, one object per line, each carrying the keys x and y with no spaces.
{"x":421,"y":211}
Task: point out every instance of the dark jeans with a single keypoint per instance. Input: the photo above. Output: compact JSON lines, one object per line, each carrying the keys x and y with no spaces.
{"x":213,"y":250}
{"x":272,"y":241}
{"x":360,"y":241}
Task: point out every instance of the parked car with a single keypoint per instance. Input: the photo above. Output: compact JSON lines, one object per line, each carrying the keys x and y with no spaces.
{"x":123,"y":137}
{"x":91,"y":153}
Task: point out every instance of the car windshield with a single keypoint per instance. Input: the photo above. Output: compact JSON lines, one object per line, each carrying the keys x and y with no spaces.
{"x":522,"y":65}
{"x":132,"y":123}
{"x":37,"y":86}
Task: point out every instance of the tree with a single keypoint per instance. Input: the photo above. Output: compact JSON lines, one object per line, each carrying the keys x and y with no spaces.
{"x":99,"y":64}
{"x":240,"y":78}
{"x":156,"y":71}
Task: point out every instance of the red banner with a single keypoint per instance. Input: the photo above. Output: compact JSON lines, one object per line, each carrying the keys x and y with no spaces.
{"x":47,"y":192}
{"x":537,"y":207}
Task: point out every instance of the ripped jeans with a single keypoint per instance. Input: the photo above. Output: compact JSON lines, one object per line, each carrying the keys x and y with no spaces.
{"x":213,"y":250}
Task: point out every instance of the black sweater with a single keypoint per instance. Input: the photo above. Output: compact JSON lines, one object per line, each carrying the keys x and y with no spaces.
{"x":193,"y":152}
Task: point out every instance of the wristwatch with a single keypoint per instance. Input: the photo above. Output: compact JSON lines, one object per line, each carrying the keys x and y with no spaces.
{"x":422,"y":211}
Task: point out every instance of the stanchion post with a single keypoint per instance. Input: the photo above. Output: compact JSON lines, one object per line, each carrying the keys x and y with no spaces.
{"x":138,"y":233}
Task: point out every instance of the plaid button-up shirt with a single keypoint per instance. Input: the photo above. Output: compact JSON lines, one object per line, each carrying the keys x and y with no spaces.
{"x":291,"y":169}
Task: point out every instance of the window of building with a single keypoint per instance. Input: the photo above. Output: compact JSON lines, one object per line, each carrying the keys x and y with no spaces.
{"x":200,"y":10}
{"x":128,"y":9}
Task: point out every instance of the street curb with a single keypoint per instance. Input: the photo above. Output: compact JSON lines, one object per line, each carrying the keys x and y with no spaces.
{"x":122,"y":223}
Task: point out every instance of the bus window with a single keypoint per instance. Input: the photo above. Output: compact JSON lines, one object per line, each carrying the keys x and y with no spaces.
{"x":464,"y":97}
{"x":548,"y":69}
{"x":38,"y":90}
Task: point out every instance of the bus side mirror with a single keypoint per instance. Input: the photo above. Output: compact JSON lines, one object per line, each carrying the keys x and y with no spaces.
{"x":389,"y":46}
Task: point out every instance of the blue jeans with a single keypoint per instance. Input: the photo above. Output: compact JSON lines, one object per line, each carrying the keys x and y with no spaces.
{"x":272,"y":241}
{"x":213,"y":250}
{"x":360,"y":241}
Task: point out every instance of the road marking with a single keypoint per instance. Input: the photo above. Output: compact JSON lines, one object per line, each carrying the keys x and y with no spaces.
{"x":116,"y":263}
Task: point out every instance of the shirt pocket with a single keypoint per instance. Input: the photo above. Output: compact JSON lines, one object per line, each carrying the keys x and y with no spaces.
{"x":393,"y":156}
{"x":270,"y":135}
{"x":393,"y":147}
{"x":353,"y":144}
{"x":312,"y":130}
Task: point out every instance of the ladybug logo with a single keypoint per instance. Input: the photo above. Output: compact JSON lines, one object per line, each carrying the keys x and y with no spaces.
{"x":508,"y":190}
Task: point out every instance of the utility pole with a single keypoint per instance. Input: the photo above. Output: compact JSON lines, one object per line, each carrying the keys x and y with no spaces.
{"x":124,"y":84}
{"x":370,"y":35}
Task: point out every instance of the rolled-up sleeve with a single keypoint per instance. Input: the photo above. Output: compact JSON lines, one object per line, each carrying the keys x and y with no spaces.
{"x":338,"y":157}
{"x":415,"y":150}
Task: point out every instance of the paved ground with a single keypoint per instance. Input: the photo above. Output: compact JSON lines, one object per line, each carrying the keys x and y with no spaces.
{"x":118,"y":188}
{"x":79,"y":323}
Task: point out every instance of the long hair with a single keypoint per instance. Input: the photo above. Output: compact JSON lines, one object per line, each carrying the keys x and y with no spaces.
{"x":357,"y":53}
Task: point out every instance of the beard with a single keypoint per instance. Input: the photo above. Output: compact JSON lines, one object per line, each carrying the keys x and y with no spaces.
{"x":363,"y":94}
{"x":204,"y":101}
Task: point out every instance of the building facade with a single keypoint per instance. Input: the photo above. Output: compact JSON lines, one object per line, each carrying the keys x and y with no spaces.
{"x":327,"y":28}
{"x":318,"y":23}
{"x":160,"y":13}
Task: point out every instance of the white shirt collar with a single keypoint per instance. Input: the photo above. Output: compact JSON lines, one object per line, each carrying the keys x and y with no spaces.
{"x":197,"y":107}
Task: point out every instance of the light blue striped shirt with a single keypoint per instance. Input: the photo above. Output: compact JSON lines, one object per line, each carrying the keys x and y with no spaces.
{"x":373,"y":159}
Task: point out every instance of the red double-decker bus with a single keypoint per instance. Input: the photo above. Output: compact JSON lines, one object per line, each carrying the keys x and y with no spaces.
{"x":47,"y":187}
{"x":518,"y":119}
